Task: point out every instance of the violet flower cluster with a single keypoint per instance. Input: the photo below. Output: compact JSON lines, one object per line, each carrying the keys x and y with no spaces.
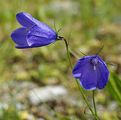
{"x":90,"y":70}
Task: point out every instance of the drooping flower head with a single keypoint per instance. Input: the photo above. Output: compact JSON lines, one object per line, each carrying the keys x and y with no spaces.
{"x":92,"y":72}
{"x":33,"y":33}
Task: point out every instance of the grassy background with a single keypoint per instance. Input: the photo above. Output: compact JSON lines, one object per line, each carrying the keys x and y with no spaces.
{"x":86,"y":24}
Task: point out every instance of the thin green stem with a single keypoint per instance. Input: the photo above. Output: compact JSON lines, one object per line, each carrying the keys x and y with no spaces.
{"x":78,"y":84}
{"x":94,"y":104}
{"x":68,"y":53}
{"x":84,"y":97}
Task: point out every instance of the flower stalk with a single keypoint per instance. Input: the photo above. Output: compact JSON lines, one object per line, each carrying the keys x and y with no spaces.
{"x":77,"y":82}
{"x":94,"y":103}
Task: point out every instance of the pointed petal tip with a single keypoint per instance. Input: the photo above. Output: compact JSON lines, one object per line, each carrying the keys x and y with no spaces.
{"x":25,"y":19}
{"x":77,"y":75}
{"x":11,"y":35}
{"x":21,"y":13}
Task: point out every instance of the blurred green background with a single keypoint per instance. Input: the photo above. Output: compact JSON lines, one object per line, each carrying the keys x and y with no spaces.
{"x":86,"y":24}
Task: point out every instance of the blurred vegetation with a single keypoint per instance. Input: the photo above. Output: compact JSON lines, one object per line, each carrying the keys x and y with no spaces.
{"x":85,"y":23}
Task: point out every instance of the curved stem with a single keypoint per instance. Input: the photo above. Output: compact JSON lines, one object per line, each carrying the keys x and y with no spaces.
{"x":68,"y":53}
{"x":78,"y":84}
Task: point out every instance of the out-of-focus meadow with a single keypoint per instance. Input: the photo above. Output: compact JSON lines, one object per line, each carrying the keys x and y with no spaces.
{"x":87,"y":24}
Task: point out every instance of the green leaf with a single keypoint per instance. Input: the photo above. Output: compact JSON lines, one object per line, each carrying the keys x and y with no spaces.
{"x":114,"y":87}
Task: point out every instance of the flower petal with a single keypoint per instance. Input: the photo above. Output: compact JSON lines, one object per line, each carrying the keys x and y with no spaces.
{"x":102,"y":75}
{"x":39,"y":37}
{"x":19,"y":36}
{"x":78,"y":68}
{"x":25,"y":19}
{"x":24,"y":47}
{"x":84,"y":71}
{"x":89,"y":78}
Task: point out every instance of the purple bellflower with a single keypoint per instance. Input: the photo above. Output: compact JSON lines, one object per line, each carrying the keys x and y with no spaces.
{"x":92,"y":72}
{"x":33,"y":33}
